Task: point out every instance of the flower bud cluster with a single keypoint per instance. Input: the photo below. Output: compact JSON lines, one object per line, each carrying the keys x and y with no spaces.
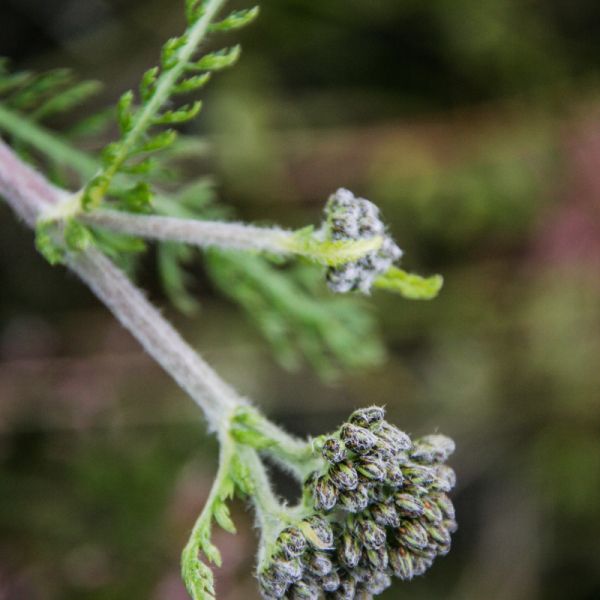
{"x":381,"y":511}
{"x":351,"y":218}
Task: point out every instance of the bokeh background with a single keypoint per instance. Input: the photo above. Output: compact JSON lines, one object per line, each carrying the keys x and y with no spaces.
{"x":475,"y":125}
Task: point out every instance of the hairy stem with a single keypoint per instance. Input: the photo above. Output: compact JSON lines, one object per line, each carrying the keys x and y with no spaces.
{"x":234,"y":236}
{"x":30,"y":195}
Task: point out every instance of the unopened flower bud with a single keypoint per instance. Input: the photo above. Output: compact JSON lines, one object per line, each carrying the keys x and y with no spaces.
{"x":432,"y":448}
{"x":331,"y":582}
{"x":357,"y":439}
{"x":289,"y":570}
{"x":349,"y":550}
{"x":385,"y":515}
{"x":377,"y":558}
{"x":412,"y":534}
{"x":317,"y":532}
{"x":346,"y":589}
{"x":420,"y":565}
{"x":432,"y":511}
{"x":370,"y":534}
{"x":291,"y":542}
{"x":304,"y":590}
{"x":408,"y":505}
{"x":325,"y":493}
{"x":369,"y":418}
{"x":318,"y":563}
{"x":380,"y":582}
{"x":354,"y":501}
{"x":445,"y":505}
{"x":401,"y":562}
{"x":271,"y":584}
{"x":333,"y":450}
{"x":344,"y":476}
{"x":451,"y":525}
{"x":438,"y":533}
{"x":398,"y":440}
{"x":419,"y":474}
{"x":444,"y":480}
{"x":394,"y":476}
{"x":371,"y":467}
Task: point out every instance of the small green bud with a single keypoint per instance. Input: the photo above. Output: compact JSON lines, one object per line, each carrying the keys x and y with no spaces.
{"x":304,"y":590}
{"x":444,"y":479}
{"x":397,"y":439}
{"x":369,"y":418}
{"x":401,"y":562}
{"x":445,"y":505}
{"x":370,"y":534}
{"x":385,"y":515}
{"x":438,"y":533}
{"x":357,"y":439}
{"x":333,"y":450}
{"x":380,"y":582}
{"x":331,"y":582}
{"x":418,"y":474}
{"x":289,"y":571}
{"x":432,"y":448}
{"x":377,"y":558}
{"x":371,"y":467}
{"x":432,"y":511}
{"x":394,"y":475}
{"x":349,"y":550}
{"x":271,"y":584}
{"x":344,"y":476}
{"x":354,"y":501}
{"x":317,"y":532}
{"x":318,"y":563}
{"x":451,"y":525}
{"x":412,"y":535}
{"x":325,"y":493}
{"x":291,"y":542}
{"x":408,"y":505}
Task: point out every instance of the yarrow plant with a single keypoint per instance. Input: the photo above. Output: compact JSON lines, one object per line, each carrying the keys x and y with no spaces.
{"x":374,"y":503}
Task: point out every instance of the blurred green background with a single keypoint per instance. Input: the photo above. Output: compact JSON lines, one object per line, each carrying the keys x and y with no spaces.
{"x":475,"y":125}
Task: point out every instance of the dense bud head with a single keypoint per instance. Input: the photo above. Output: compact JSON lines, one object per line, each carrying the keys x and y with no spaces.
{"x":333,"y":450}
{"x":358,"y":439}
{"x":350,"y":218}
{"x":325,"y":493}
{"x":344,"y":476}
{"x":291,"y":542}
{"x":369,"y":418}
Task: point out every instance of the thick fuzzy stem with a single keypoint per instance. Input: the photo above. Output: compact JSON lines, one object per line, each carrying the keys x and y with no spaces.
{"x":234,"y":236}
{"x":30,"y":196}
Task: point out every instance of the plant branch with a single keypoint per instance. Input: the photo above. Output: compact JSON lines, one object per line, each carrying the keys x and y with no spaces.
{"x":30,"y":195}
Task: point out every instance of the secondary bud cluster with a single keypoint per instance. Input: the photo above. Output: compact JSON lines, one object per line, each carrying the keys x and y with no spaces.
{"x":351,"y":218}
{"x":381,"y":511}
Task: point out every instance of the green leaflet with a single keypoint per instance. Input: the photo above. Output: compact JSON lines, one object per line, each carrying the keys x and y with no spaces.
{"x":409,"y":285}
